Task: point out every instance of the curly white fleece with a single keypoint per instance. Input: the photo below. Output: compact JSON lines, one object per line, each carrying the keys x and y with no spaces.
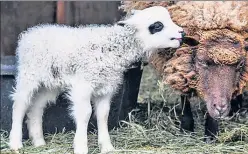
{"x":94,"y":53}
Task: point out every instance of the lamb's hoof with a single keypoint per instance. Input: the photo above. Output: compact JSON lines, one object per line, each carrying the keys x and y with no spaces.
{"x":15,"y":145}
{"x":79,"y":150}
{"x":75,"y":152}
{"x":39,"y":142}
{"x":107,"y":148}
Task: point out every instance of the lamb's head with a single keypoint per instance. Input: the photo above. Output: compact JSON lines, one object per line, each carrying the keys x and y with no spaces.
{"x":220,"y":65}
{"x":154,"y":28}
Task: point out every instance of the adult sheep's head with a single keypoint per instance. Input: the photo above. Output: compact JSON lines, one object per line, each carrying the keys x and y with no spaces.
{"x":214,"y":65}
{"x":154,"y":28}
{"x":219,"y":64}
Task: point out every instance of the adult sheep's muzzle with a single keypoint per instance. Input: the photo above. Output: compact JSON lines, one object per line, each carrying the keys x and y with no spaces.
{"x":218,"y":108}
{"x":216,"y":85}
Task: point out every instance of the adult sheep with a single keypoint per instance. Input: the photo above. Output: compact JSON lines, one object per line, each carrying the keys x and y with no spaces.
{"x":88,"y":62}
{"x":214,"y":64}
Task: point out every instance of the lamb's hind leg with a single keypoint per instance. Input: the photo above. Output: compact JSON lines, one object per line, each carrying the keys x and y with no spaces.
{"x":35,"y":113}
{"x":102,"y":106}
{"x":80,"y":95}
{"x":21,"y":101}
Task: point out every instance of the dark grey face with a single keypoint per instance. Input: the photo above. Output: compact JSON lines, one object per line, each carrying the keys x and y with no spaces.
{"x":155,"y":27}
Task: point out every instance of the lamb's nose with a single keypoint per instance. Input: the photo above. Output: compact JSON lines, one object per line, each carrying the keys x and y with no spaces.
{"x":183,"y":33}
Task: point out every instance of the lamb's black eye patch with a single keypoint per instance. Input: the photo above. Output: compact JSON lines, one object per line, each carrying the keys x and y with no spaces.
{"x":155,"y":27}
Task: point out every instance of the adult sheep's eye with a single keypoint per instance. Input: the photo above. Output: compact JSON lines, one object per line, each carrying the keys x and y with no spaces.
{"x":202,"y":63}
{"x":156,"y":27}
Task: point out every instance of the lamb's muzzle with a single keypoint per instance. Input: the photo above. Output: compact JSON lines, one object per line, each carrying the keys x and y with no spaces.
{"x":181,"y":38}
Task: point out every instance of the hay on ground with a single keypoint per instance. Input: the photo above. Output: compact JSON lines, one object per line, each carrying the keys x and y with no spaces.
{"x":153,"y":132}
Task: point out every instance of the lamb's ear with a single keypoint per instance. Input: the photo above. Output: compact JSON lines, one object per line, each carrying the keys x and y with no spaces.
{"x":121,"y":23}
{"x":133,"y":11}
{"x":131,"y":21}
{"x":126,"y":22}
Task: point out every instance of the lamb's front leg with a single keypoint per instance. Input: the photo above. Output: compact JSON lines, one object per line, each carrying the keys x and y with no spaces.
{"x":80,"y":95}
{"x":102,"y":105}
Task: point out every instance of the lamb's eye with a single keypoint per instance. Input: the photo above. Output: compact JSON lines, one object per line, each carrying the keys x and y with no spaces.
{"x":156,"y":27}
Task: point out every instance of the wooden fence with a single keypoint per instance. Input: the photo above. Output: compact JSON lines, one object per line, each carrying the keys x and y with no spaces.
{"x":18,"y":16}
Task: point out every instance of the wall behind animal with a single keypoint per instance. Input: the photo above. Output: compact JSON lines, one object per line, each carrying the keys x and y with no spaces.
{"x":17,"y":16}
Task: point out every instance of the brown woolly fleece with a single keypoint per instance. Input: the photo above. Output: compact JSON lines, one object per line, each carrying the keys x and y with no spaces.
{"x":217,"y":33}
{"x":201,"y":14}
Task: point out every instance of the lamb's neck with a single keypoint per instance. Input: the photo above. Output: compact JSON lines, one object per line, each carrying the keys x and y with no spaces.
{"x":131,"y":53}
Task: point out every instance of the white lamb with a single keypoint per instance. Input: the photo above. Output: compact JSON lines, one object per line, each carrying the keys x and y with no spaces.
{"x":88,"y":62}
